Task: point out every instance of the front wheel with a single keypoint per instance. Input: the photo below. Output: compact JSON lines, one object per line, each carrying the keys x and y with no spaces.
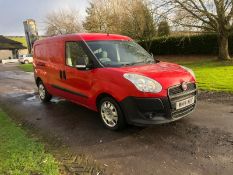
{"x":43,"y":93}
{"x":111,"y":114}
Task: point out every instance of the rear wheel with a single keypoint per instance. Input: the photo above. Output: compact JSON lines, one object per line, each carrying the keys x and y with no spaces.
{"x":43,"y":93}
{"x":26,"y":62}
{"x":111,"y":114}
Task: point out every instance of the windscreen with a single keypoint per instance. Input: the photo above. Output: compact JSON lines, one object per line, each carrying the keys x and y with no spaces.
{"x":119,"y":53}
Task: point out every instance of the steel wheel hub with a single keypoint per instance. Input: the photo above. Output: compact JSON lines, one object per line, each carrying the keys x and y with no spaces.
{"x":41,"y":91}
{"x":109,"y":114}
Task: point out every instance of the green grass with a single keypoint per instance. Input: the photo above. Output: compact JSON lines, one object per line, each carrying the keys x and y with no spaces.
{"x":20,"y":39}
{"x":26,"y":67}
{"x":211,"y":74}
{"x":20,"y":155}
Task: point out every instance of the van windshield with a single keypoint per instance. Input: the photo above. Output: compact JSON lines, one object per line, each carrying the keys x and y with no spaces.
{"x":120,"y":53}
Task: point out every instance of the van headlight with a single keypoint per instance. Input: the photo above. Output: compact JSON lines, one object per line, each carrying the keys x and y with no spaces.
{"x":189,"y":70}
{"x":143,"y":83}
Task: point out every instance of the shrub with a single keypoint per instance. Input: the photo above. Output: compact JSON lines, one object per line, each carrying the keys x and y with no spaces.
{"x":163,"y":29}
{"x":186,"y":45}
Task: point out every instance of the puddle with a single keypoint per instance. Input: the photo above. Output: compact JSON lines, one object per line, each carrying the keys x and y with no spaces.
{"x":57,"y":100}
{"x":31,"y":98}
{"x":35,"y":98}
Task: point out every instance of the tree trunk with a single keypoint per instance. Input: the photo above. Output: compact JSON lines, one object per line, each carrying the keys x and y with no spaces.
{"x":223,"y":53}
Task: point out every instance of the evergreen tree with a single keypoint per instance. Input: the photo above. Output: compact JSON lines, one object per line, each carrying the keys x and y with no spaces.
{"x":163,"y":29}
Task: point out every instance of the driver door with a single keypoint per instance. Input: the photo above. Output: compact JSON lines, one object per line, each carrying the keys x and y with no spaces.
{"x":78,"y":82}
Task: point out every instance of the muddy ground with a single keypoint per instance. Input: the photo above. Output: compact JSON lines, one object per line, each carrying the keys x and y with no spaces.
{"x":199,"y":144}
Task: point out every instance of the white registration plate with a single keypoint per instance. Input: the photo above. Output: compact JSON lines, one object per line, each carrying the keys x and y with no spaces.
{"x":184,"y":103}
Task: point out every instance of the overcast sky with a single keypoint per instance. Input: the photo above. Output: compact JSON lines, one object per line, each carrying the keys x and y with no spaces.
{"x":14,"y":12}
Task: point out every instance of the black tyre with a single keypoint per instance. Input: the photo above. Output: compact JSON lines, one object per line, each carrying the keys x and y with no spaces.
{"x":26,"y":62}
{"x":111,"y":114}
{"x":43,"y":93}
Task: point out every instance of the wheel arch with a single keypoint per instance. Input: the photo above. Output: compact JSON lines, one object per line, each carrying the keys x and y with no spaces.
{"x":101,"y":96}
{"x":122,"y":118}
{"x":38,"y":79}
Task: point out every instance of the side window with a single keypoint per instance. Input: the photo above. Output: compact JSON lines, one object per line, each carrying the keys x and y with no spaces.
{"x":75,"y":54}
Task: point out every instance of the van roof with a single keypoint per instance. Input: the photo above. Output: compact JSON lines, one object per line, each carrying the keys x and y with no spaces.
{"x":102,"y":36}
{"x":86,"y":37}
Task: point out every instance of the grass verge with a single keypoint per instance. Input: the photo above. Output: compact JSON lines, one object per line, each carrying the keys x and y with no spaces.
{"x":68,"y":161}
{"x":26,"y":67}
{"x":19,"y":39}
{"x":211,"y":74}
{"x":20,"y":155}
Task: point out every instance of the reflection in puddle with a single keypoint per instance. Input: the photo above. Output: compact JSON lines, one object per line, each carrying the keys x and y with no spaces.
{"x":35,"y":98}
{"x":57,"y":100}
{"x":31,"y":98}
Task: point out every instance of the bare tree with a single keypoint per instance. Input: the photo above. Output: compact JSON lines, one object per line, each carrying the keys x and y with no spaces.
{"x":128,"y":17}
{"x":103,"y":16}
{"x":63,"y":22}
{"x":210,"y":15}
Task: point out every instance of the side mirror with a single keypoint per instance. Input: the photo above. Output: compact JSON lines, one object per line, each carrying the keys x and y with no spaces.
{"x":82,"y":64}
{"x":81,"y":67}
{"x":85,"y":67}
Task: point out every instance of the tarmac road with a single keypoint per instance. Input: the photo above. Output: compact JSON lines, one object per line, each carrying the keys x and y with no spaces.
{"x":199,"y":144}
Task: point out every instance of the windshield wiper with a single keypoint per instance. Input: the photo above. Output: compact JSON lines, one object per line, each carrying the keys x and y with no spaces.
{"x":130,"y":64}
{"x":150,"y":61}
{"x":141,"y":62}
{"x":153,"y":61}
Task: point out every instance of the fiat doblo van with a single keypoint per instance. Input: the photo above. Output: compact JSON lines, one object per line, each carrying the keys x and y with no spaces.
{"x":115,"y":76}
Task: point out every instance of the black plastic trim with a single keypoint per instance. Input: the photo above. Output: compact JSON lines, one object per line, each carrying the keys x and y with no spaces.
{"x":69,"y":91}
{"x":149,"y":111}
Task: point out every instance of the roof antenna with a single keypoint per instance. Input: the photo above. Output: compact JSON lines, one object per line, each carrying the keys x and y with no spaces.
{"x":107,"y":34}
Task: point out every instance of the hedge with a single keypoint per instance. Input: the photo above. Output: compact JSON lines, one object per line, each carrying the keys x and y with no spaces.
{"x":187,"y":45}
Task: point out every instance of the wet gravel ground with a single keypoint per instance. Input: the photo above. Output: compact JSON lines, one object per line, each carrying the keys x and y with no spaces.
{"x":199,"y":144}
{"x":216,"y":97}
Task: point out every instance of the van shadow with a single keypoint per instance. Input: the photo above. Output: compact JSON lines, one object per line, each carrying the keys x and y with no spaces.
{"x":73,"y":123}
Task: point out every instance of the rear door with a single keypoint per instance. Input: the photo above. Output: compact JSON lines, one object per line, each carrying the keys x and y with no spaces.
{"x":40,"y":63}
{"x":55,"y":52}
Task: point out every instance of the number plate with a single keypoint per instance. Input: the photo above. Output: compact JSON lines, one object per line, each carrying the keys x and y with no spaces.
{"x":184,"y":103}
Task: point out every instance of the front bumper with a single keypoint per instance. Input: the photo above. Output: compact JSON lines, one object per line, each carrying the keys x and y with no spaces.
{"x":149,"y":111}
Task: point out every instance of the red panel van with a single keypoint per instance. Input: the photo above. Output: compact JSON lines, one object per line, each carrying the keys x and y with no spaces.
{"x":115,"y":76}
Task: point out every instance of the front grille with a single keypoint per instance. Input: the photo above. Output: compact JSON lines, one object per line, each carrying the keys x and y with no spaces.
{"x":182,"y":112}
{"x":176,"y":94}
{"x":178,"y":89}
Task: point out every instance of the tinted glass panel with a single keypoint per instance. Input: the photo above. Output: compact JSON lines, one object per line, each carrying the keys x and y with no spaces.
{"x":119,"y":53}
{"x":75,"y":54}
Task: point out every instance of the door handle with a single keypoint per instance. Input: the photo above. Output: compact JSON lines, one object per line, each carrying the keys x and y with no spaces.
{"x":64,"y":74}
{"x":60,"y":73}
{"x":41,"y":64}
